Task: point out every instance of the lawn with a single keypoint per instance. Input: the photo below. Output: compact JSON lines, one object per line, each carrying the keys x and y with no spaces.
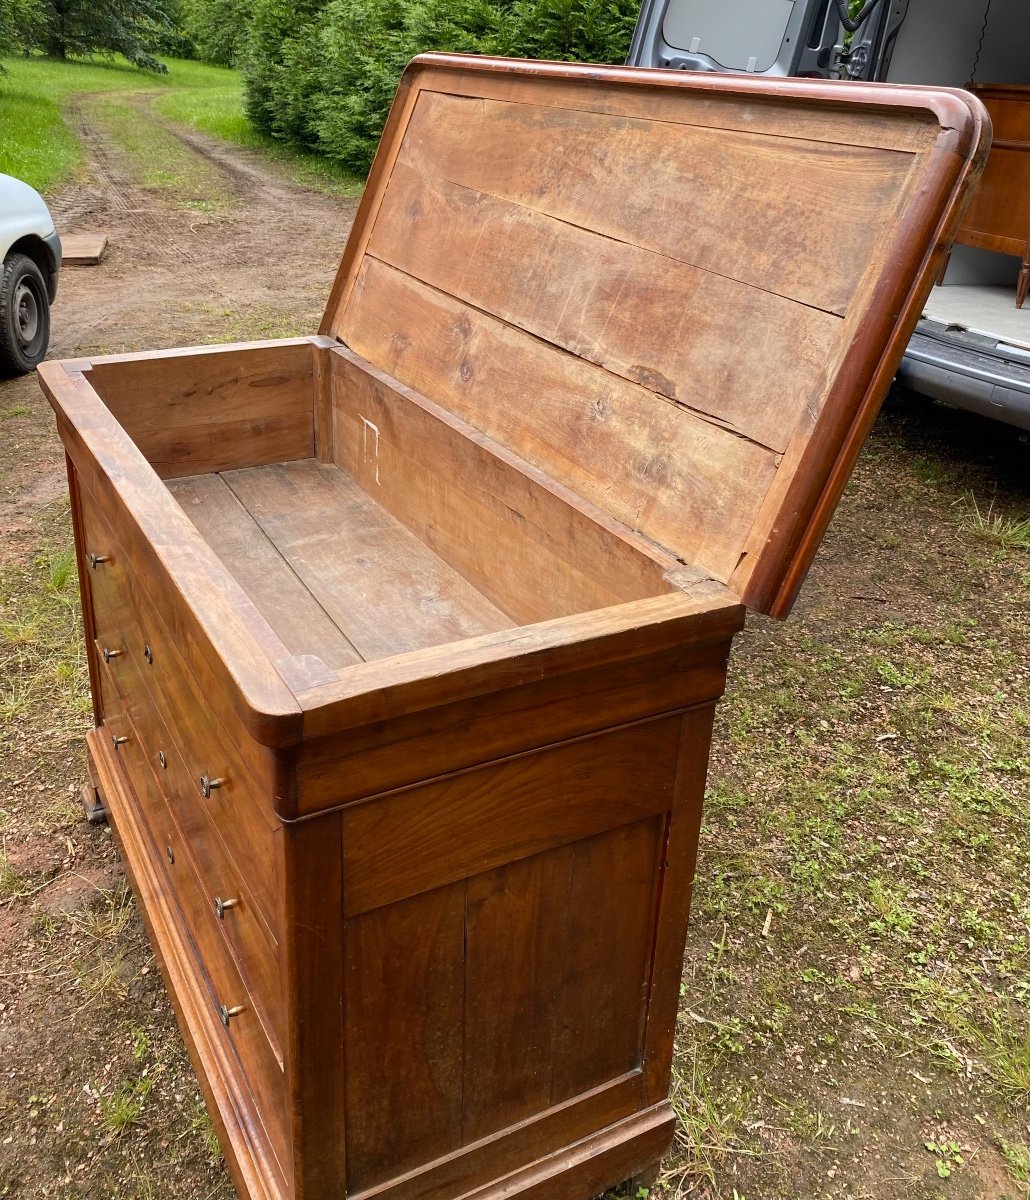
{"x":38,"y":144}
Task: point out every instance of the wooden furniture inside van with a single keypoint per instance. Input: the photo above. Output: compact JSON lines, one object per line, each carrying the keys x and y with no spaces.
{"x":405,"y":638}
{"x":998,"y":217}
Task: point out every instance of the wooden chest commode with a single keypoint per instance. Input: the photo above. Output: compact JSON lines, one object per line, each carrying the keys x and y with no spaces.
{"x":405,"y":639}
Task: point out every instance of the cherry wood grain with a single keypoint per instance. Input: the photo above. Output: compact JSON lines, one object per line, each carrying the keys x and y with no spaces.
{"x":244,"y":927}
{"x":312,"y":919}
{"x":540,"y":707}
{"x":227,"y":644}
{"x":425,"y":679}
{"x":83,"y":568}
{"x":624,"y":1150}
{"x":223,"y":1077}
{"x":602,"y":1004}
{"x":584,"y":290}
{"x":375,"y":580}
{"x":534,"y":548}
{"x":450,"y":623}
{"x":261,"y":1071}
{"x":541,"y":1137}
{"x":261,"y":570}
{"x":259,"y":1058}
{"x":906,"y":120}
{"x":404,"y":987}
{"x":772,"y":226}
{"x":713,"y":185}
{"x":414,"y":841}
{"x":516,"y":914}
{"x":676,"y":884}
{"x":689,"y":485}
{"x":998,"y":217}
{"x":210,"y":409}
{"x":147,"y":655}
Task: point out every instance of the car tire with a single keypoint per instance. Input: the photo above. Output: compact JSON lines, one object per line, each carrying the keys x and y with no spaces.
{"x":24,"y":316}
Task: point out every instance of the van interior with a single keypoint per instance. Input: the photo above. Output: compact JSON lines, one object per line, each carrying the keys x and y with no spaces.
{"x":972,"y":348}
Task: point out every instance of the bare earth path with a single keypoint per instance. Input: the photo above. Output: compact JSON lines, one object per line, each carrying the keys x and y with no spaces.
{"x":96,"y":1095}
{"x":175,"y":277}
{"x":856,"y":998}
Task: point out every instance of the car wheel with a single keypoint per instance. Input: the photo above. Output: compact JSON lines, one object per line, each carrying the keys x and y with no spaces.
{"x":24,"y":315}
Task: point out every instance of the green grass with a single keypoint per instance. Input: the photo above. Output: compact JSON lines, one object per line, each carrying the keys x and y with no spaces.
{"x":157,"y":159}
{"x":860,"y":920}
{"x":1009,"y":533}
{"x":37,"y":144}
{"x":219,"y":112}
{"x":41,"y":656}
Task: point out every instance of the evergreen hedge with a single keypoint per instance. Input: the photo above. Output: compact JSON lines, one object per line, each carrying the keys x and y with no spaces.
{"x":321,"y":74}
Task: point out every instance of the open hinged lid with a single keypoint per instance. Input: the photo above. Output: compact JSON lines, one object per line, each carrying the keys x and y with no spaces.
{"x":682,"y":296}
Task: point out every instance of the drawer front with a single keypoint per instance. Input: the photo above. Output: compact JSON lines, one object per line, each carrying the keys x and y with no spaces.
{"x":227,"y":999}
{"x":233,"y":1007}
{"x":230,"y":902}
{"x":113,"y":616}
{"x":133,"y":636}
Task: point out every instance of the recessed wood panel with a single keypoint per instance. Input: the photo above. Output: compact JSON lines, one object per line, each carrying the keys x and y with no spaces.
{"x":420,"y":839}
{"x":404,"y":979}
{"x":611,"y":929}
{"x":517,"y":914}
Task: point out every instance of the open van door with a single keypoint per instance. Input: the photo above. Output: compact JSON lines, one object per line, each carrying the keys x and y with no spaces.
{"x":972,"y":347}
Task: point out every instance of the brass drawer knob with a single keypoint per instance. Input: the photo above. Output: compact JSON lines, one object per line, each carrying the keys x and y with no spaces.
{"x":119,"y":739}
{"x":221,"y":905}
{"x":171,"y":854}
{"x":207,"y":786}
{"x":109,"y":654}
{"x":227,"y":1014}
{"x":162,"y":759}
{"x":96,"y":559}
{"x":148,"y":654}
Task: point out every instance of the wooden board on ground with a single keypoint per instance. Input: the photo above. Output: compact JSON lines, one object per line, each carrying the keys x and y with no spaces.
{"x":82,"y":249}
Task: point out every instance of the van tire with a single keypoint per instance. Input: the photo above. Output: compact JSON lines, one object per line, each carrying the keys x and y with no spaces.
{"x":24,"y":316}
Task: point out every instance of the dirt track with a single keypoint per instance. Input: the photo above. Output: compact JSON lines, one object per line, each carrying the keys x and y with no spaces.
{"x":96,"y":1094}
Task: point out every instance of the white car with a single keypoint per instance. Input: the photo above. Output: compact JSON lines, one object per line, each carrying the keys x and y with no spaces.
{"x":31,"y":253}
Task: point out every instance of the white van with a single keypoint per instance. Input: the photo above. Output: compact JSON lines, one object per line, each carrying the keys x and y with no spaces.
{"x":972,"y":347}
{"x":30,"y":254}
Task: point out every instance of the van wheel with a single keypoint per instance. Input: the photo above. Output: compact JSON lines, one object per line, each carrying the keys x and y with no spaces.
{"x":24,"y":316}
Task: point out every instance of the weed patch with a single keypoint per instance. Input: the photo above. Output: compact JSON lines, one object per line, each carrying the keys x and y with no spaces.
{"x":42,"y":659}
{"x":997,"y":529}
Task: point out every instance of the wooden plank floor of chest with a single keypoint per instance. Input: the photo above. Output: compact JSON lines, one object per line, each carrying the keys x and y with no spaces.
{"x":405,"y":638}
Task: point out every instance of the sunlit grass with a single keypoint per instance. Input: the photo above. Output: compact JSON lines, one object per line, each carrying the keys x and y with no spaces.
{"x":40,"y":147}
{"x":219,"y":112}
{"x":37,"y":144}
